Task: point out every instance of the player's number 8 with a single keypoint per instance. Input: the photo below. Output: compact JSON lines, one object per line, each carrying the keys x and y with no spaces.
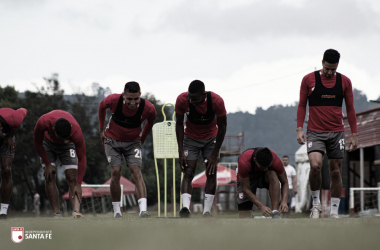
{"x":72,"y":153}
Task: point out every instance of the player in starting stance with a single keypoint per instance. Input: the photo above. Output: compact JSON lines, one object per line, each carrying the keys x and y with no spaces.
{"x":10,"y":120}
{"x":123,"y":136}
{"x":58,"y":135}
{"x":261,"y":168}
{"x":204,"y":131}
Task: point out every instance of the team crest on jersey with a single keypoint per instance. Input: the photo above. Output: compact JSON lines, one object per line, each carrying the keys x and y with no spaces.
{"x":109,"y":158}
{"x":241,"y":196}
{"x":17,"y":234}
{"x":310,"y":144}
{"x":186,"y":152}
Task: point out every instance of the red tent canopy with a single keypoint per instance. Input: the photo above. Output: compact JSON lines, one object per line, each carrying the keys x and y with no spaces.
{"x":128,"y":187}
{"x":86,"y":193}
{"x":225,"y":177}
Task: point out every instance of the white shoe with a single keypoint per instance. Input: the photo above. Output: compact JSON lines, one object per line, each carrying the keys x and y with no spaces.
{"x":315,"y":211}
{"x":334,"y":216}
{"x":118,"y":216}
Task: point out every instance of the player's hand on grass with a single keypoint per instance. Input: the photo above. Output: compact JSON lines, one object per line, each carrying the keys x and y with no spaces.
{"x":182,"y":161}
{"x":211,"y":164}
{"x":11,"y":143}
{"x":266,"y":211}
{"x":49,"y":172}
{"x":353,"y":144}
{"x":77,"y":192}
{"x":283,"y":208}
{"x":301,"y":138}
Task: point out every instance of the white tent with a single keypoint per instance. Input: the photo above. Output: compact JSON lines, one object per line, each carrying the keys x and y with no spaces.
{"x":303,"y":169}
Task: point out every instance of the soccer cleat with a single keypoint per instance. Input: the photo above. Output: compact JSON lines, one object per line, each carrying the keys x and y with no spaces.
{"x":57,"y":216}
{"x":144,"y":214}
{"x":207,"y":215}
{"x":315,"y":211}
{"x":184,"y":213}
{"x":276,"y":215}
{"x":3,"y":216}
{"x":117,"y":216}
{"x":77,"y":215}
{"x":334,"y":216}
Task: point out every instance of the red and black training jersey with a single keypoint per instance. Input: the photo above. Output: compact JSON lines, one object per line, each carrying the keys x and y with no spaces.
{"x":12,"y":118}
{"x":326,"y":115}
{"x":246,"y":170}
{"x":45,"y":129}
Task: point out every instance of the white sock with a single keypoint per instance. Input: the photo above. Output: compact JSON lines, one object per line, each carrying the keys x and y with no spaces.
{"x":334,"y":205}
{"x":209,"y":200}
{"x":186,"y":200}
{"x":4,"y":208}
{"x":116,"y":207}
{"x":142,"y":204}
{"x":315,"y":196}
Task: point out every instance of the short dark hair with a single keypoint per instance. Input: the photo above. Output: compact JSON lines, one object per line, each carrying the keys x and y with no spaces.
{"x":285,"y":156}
{"x":63,"y":128}
{"x":2,"y":139}
{"x":331,"y":56}
{"x":196,"y":86}
{"x":264,"y":157}
{"x":132,"y":87}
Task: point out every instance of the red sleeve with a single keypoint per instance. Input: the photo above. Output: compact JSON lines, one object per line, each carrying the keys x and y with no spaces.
{"x":351,"y":114}
{"x":19,"y":117}
{"x":244,"y":166}
{"x":39,"y":131}
{"x":277,"y":164}
{"x":80,"y":148}
{"x":149,"y":123}
{"x":178,"y":106}
{"x":301,"y":110}
{"x":105,"y":104}
{"x":220,"y":108}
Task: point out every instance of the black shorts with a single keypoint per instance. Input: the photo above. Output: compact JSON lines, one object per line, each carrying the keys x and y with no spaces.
{"x":243,"y":202}
{"x":65,"y":153}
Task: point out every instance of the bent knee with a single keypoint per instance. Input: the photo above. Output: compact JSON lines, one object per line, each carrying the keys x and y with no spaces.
{"x":6,"y":173}
{"x":335,"y":174}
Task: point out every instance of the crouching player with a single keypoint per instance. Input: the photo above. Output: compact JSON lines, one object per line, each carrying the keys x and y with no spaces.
{"x":261,"y":168}
{"x":10,"y":120}
{"x":57,"y":135}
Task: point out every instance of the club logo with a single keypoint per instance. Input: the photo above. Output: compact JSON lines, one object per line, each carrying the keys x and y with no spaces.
{"x":186,"y":152}
{"x":109,"y":158}
{"x":17,"y":234}
{"x":241,"y":196}
{"x":310,"y":144}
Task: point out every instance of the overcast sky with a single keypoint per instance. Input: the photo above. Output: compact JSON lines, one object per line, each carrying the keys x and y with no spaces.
{"x":252,"y":53}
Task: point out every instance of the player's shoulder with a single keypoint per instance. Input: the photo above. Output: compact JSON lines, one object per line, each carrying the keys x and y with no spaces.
{"x":149,"y":106}
{"x":182,"y":97}
{"x":309,"y":77}
{"x":215,"y":97}
{"x":345,"y":79}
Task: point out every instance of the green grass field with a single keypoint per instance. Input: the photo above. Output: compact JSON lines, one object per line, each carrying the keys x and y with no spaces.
{"x":225,"y":231}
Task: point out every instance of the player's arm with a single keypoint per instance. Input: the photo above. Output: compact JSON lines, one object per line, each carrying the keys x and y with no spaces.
{"x":180,"y":132}
{"x":149,"y":124}
{"x":284,"y":192}
{"x":351,"y":116}
{"x":294,"y":180}
{"x":39,"y":131}
{"x":245,"y":185}
{"x":102,"y":111}
{"x":80,"y":148}
{"x":212,"y":160}
{"x":301,"y":112}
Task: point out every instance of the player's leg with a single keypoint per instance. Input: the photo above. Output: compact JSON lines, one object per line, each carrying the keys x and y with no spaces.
{"x":289,"y":201}
{"x":272,"y":183}
{"x":316,"y":149}
{"x":114,"y":157}
{"x":245,"y":206}
{"x":6,"y":185}
{"x":71,"y":180}
{"x":210,"y":187}
{"x":335,"y":151}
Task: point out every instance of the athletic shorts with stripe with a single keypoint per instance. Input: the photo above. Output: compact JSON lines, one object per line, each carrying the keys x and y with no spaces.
{"x":243,"y":202}
{"x":192,"y":147}
{"x":65,"y":153}
{"x":332,"y":143}
{"x":115,"y":150}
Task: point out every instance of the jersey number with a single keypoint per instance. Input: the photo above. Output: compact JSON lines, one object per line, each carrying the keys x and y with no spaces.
{"x":138,"y":153}
{"x":341,"y":142}
{"x":72,"y":153}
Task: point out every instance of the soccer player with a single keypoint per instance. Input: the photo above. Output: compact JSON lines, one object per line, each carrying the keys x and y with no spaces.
{"x":57,"y":135}
{"x":261,"y":168}
{"x":124,"y":136}
{"x":204,"y":131}
{"x":324,"y":90}
{"x":292,"y":181}
{"x":10,"y":121}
